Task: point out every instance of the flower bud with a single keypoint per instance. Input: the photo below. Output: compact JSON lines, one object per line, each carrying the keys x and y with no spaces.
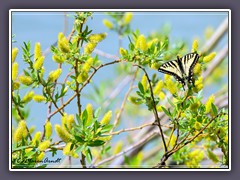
{"x":127,"y":17}
{"x":107,"y":117}
{"x":48,"y":129}
{"x":39,"y":98}
{"x":26,"y":80}
{"x":28,"y":97}
{"x":14,"y":54}
{"x":37,"y":51}
{"x":14,"y":71}
{"x":62,"y":133}
{"x":108,"y":24}
{"x":44,"y":145}
{"x":209,"y":57}
{"x":141,"y":43}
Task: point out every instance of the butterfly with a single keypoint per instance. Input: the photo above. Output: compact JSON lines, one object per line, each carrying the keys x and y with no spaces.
{"x":182,"y":68}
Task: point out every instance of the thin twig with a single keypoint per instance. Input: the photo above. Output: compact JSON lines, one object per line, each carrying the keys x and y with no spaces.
{"x":124,"y":102}
{"x":130,"y":148}
{"x":84,"y":84}
{"x":131,"y":129}
{"x":154,"y":108}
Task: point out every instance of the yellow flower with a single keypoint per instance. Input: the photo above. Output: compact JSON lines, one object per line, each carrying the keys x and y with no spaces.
{"x":68,"y":152}
{"x":37,"y":51}
{"x":21,"y":131}
{"x":54,"y":75}
{"x":14,"y":54}
{"x":44,"y":145}
{"x":70,"y":121}
{"x":195,"y":45}
{"x":15,"y":85}
{"x":127,"y":18}
{"x":153,"y":41}
{"x":198,"y":84}
{"x":38,"y":63}
{"x":26,"y":80}
{"x":209,"y":57}
{"x":36,"y":138}
{"x":82,"y":77}
{"x":89,"y":109}
{"x":144,"y":82}
{"x":14,"y":71}
{"x":89,"y":47}
{"x":32,"y":129}
{"x":63,"y":43}
{"x":107,"y":23}
{"x":62,"y":133}
{"x":28,"y":97}
{"x":208,"y":104}
{"x":60,"y":36}
{"x":159,"y":108}
{"x":141,"y":43}
{"x":107,"y":117}
{"x":197,"y":69}
{"x":48,"y":129}
{"x":96,"y":38}
{"x":161,"y":95}
{"x":39,"y":98}
{"x":40,"y":157}
{"x":157,"y":89}
{"x":197,"y":125}
{"x":58,"y":59}
{"x":87,"y":65}
{"x":118,"y":147}
{"x":155,"y":65}
{"x":122,"y":51}
{"x":170,"y":85}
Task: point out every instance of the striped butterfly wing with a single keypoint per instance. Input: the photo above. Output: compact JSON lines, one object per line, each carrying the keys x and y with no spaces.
{"x":172,"y":68}
{"x":188,"y":63}
{"x":181,"y":68}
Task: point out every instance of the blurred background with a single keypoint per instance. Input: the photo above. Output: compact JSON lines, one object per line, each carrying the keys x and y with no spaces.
{"x":111,"y":81}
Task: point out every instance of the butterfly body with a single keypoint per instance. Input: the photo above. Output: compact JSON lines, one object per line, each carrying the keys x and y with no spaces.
{"x":182,"y":68}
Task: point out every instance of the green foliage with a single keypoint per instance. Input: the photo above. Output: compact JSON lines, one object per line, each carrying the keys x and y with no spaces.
{"x":194,"y":129}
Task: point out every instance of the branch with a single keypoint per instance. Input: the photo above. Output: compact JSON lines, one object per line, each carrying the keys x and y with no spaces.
{"x":154,"y":107}
{"x":221,"y":30}
{"x":124,"y":102}
{"x":84,"y":84}
{"x":131,"y":129}
{"x":130,"y":148}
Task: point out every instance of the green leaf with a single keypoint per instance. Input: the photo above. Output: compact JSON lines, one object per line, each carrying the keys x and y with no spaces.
{"x":214,"y":108}
{"x":170,"y":102}
{"x":30,"y":153}
{"x":140,"y":87}
{"x":89,"y":155}
{"x":212,"y":156}
{"x":166,"y":112}
{"x":19,"y":148}
{"x":97,"y":112}
{"x":84,"y":117}
{"x":79,"y":139}
{"x":78,"y":119}
{"x":79,"y":148}
{"x":95,"y":143}
{"x":106,"y":128}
